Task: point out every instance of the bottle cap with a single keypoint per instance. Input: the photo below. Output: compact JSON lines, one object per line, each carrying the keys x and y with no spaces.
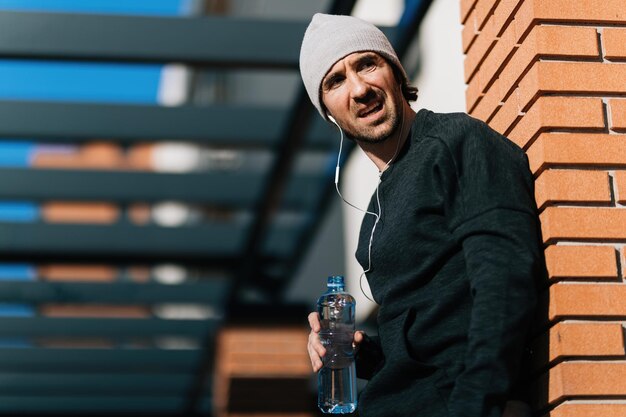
{"x":335,"y":281}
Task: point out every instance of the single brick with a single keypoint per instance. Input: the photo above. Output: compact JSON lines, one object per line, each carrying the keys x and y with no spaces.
{"x":581,"y":261}
{"x":618,"y":114}
{"x":620,"y":186}
{"x":533,"y":12}
{"x":466,"y":7}
{"x":614,"y":40}
{"x":575,"y":223}
{"x":606,"y":408}
{"x":506,"y":115}
{"x":582,"y":339}
{"x":553,"y":112}
{"x":582,"y":300}
{"x":473,"y":95}
{"x":572,"y":186}
{"x":504,"y":13}
{"x":484,"y":9}
{"x":488,"y":104}
{"x":588,"y":379}
{"x":576,"y":149}
{"x":470,"y":32}
{"x":497,"y":58}
{"x":479,"y":50}
{"x":591,"y":78}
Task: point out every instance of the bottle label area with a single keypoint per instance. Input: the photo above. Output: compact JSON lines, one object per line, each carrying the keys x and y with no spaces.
{"x":338,"y":344}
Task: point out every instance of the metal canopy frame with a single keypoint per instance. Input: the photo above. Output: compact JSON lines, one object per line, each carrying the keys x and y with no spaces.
{"x":236,"y":190}
{"x":113,"y":293}
{"x":259,"y":251}
{"x":99,"y":360}
{"x":216,"y":125}
{"x":209,"y":41}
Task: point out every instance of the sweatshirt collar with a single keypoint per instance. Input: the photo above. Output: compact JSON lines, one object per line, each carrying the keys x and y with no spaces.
{"x":414,"y":134}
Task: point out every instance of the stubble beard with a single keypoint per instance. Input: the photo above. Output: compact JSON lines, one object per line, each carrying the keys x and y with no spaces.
{"x":368,"y":134}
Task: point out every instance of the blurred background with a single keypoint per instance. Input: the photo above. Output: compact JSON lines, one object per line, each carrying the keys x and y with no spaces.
{"x":168,"y":215}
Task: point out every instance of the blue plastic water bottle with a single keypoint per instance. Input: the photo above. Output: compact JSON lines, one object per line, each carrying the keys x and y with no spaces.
{"x":337,"y":378}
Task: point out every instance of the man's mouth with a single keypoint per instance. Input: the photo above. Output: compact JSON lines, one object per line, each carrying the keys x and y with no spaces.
{"x":370,"y":110}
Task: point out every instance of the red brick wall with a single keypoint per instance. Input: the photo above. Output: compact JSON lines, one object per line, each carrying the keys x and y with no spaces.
{"x":551,"y":75}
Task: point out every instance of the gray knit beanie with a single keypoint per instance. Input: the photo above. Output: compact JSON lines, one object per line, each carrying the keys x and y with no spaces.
{"x":330,"y":38}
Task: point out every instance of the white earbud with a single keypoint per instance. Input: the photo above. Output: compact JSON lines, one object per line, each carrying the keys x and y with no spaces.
{"x":332,"y":119}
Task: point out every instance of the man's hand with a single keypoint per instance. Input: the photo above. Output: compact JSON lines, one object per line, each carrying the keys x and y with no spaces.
{"x":314,"y":346}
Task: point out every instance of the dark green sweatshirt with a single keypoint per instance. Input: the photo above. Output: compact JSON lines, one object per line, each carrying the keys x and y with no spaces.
{"x":455,"y":260}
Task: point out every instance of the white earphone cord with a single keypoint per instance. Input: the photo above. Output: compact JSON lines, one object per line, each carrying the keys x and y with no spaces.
{"x":376,"y":215}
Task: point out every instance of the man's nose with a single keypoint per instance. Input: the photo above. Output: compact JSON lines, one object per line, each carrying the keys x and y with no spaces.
{"x":359,"y":89}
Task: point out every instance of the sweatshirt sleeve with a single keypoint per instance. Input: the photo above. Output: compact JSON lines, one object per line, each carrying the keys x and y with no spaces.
{"x":369,"y":357}
{"x":497,"y":226}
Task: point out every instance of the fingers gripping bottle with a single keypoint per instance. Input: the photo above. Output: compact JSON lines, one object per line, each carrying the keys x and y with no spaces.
{"x":337,"y":378}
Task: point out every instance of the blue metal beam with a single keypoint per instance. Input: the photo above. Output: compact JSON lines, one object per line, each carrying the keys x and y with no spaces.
{"x":209,"y":41}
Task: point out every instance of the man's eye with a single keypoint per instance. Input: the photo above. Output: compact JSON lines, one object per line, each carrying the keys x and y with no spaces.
{"x":333,"y":82}
{"x":366,"y":65}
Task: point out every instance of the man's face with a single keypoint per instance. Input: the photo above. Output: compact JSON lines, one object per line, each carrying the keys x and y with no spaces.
{"x":361,"y":92}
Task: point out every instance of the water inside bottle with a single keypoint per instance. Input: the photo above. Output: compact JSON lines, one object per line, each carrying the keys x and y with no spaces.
{"x":338,"y":395}
{"x":337,"y":378}
{"x":338,"y":344}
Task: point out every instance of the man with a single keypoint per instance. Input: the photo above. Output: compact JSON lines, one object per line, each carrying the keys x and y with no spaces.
{"x":454,"y":248}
